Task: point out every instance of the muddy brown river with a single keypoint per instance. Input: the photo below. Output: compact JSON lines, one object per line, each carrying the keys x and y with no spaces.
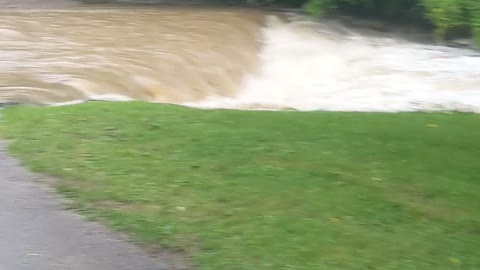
{"x":58,"y":52}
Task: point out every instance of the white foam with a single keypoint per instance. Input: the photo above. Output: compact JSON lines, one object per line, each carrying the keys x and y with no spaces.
{"x":67,"y":103}
{"x":110,"y":97}
{"x":309,"y":71}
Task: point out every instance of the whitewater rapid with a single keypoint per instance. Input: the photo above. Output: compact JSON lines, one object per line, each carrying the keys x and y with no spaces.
{"x":224,"y":58}
{"x":307,"y":69}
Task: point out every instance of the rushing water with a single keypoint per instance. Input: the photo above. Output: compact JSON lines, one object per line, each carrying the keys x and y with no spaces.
{"x":61,"y":52}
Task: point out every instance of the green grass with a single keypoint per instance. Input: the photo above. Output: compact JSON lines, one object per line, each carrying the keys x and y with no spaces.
{"x":268,"y":190}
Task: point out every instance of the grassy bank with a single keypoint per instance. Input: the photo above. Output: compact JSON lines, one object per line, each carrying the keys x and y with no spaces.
{"x":268,"y":190}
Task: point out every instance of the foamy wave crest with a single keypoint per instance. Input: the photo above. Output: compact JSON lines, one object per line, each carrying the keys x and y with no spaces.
{"x":307,"y":69}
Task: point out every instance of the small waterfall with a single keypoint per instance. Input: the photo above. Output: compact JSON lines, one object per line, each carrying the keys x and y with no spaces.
{"x":223,"y":58}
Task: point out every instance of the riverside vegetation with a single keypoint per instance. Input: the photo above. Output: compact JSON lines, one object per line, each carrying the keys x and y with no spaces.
{"x":447,"y":16}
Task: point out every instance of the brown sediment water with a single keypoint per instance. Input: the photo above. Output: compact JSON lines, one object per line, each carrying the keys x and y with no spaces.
{"x":57,"y":52}
{"x":161,"y":54}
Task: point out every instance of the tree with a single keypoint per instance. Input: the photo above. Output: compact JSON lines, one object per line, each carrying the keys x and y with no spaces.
{"x":445,"y":15}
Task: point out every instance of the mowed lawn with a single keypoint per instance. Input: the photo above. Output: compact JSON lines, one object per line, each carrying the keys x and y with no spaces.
{"x":237,"y":190}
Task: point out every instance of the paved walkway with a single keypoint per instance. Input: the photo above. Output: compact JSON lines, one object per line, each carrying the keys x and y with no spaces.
{"x":36,"y":233}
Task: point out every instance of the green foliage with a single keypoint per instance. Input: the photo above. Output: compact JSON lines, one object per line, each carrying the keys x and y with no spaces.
{"x":448,"y":16}
{"x":445,"y":15}
{"x":319,"y":7}
{"x":476,"y":32}
{"x":474,"y":10}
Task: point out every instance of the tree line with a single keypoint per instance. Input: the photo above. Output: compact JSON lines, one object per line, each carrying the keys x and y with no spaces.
{"x":447,"y":16}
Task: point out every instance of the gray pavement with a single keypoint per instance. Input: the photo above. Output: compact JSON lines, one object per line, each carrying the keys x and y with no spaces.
{"x":37,"y":233}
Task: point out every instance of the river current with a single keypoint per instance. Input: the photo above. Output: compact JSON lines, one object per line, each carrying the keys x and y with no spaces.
{"x":58,"y":52}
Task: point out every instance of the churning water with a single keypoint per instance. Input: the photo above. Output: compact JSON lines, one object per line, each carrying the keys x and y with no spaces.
{"x":221,"y":58}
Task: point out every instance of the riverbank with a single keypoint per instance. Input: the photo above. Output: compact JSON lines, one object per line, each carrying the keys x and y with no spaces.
{"x":267,"y":190}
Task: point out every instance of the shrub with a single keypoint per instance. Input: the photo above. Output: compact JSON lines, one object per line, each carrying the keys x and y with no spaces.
{"x":445,"y":15}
